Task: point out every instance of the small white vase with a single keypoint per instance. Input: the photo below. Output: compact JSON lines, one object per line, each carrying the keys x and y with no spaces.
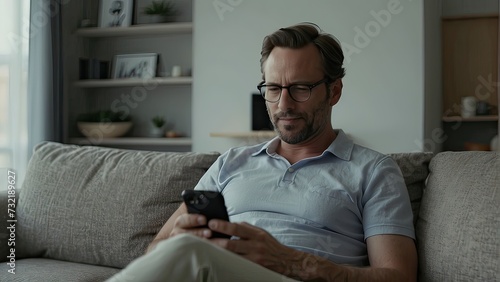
{"x":152,"y":19}
{"x":156,"y":131}
{"x":495,"y":144}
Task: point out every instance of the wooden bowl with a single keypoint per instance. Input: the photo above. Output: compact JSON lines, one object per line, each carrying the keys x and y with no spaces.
{"x":104,"y":129}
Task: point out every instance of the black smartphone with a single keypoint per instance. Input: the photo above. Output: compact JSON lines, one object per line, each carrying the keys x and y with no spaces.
{"x":208,"y":203}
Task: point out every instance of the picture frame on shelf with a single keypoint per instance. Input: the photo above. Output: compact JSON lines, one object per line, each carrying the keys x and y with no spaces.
{"x":115,"y":13}
{"x":135,"y":65}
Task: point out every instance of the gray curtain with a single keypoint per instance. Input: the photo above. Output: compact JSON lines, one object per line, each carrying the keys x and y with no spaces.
{"x":45,"y":97}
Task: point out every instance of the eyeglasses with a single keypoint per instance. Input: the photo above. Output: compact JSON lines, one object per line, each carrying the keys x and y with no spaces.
{"x":298,"y":92}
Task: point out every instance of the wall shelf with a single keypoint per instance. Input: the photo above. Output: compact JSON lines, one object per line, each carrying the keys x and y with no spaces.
{"x":127,"y":82}
{"x":135,"y":141}
{"x":249,"y":134}
{"x":170,"y":97}
{"x":136,"y":30}
{"x":470,"y":119}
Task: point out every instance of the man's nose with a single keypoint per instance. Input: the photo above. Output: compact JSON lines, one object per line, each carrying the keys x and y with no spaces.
{"x":286,"y":102}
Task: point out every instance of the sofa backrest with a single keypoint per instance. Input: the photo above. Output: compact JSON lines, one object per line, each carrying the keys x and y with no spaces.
{"x":414,"y":167}
{"x":100,"y":205}
{"x":458,"y":229}
{"x":104,"y":206}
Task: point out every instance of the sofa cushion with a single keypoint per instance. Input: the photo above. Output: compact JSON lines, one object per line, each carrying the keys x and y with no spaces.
{"x":458,"y":229}
{"x":100,"y":205}
{"x":42,"y":269}
{"x":414,"y":167}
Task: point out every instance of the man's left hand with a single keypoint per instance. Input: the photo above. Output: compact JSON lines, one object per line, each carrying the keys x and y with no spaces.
{"x":255,"y":244}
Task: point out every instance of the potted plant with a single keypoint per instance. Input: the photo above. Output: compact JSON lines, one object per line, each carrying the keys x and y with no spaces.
{"x":157,"y":129}
{"x":160,"y":11}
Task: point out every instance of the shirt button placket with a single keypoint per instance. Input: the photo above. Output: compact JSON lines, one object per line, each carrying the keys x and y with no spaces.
{"x":289,"y":174}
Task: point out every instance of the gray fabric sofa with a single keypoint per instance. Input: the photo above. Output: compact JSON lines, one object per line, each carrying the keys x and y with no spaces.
{"x":84,"y":213}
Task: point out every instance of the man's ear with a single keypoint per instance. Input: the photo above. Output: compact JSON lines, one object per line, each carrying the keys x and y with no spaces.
{"x":335,"y":91}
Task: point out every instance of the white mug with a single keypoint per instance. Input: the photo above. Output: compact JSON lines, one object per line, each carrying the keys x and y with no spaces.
{"x":176,"y":71}
{"x":469,"y":106}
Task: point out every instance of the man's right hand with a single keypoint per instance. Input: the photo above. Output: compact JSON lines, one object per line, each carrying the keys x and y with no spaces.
{"x":182,"y":222}
{"x":195,"y":224}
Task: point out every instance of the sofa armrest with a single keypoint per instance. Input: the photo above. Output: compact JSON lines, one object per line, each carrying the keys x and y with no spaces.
{"x":5,"y":232}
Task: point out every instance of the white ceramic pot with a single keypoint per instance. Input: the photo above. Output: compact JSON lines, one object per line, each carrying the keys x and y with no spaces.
{"x":156,"y":131}
{"x":153,"y":19}
{"x":495,"y":144}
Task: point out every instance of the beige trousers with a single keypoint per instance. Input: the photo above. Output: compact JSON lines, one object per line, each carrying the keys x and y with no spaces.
{"x":186,"y":258}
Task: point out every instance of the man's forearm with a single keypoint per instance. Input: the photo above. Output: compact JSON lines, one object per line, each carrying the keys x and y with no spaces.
{"x":308,"y":267}
{"x":376,"y":274}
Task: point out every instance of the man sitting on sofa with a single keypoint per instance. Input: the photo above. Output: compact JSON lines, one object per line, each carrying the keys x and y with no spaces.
{"x":307,"y":205}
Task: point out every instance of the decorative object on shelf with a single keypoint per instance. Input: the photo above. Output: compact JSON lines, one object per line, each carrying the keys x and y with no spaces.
{"x":93,"y":68}
{"x":176,"y":71}
{"x":495,"y":144}
{"x":104,"y":124}
{"x":160,"y":12}
{"x":468,"y":106}
{"x":483,"y":108}
{"x":135,"y":65}
{"x":115,"y":13}
{"x":99,"y":130}
{"x":87,"y":20}
{"x":157,"y":128}
{"x":173,"y":134}
{"x":86,"y":23}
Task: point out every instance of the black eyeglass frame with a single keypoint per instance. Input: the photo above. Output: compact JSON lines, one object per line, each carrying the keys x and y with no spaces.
{"x":310,"y":86}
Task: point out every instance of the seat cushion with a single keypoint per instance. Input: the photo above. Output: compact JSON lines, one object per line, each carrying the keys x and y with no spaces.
{"x":41,"y":269}
{"x":100,"y":205}
{"x":458,"y":229}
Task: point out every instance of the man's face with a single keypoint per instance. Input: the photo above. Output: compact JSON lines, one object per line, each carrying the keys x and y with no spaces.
{"x":296,"y":122}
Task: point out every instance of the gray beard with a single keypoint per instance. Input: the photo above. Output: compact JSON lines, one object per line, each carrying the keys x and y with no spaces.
{"x":290,"y":138}
{"x":320,"y":112}
{"x":307,"y":132}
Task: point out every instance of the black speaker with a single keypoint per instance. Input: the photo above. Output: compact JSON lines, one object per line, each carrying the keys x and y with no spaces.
{"x":260,"y":118}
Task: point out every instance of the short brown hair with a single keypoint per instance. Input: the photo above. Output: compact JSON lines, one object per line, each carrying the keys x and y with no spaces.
{"x":300,"y":35}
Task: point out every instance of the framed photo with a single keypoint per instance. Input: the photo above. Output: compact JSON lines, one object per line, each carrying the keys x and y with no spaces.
{"x":135,"y":65}
{"x":115,"y":13}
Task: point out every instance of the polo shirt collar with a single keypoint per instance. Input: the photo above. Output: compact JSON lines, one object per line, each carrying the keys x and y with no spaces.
{"x":341,"y":147}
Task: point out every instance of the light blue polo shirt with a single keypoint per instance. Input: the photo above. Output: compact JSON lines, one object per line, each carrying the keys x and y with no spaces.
{"x":326,"y":205}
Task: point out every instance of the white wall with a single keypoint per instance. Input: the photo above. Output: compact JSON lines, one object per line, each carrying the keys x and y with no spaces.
{"x":383,"y":102}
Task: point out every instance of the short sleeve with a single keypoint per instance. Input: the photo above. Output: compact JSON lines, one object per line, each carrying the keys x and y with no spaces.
{"x":209,"y":181}
{"x":386,"y":203}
